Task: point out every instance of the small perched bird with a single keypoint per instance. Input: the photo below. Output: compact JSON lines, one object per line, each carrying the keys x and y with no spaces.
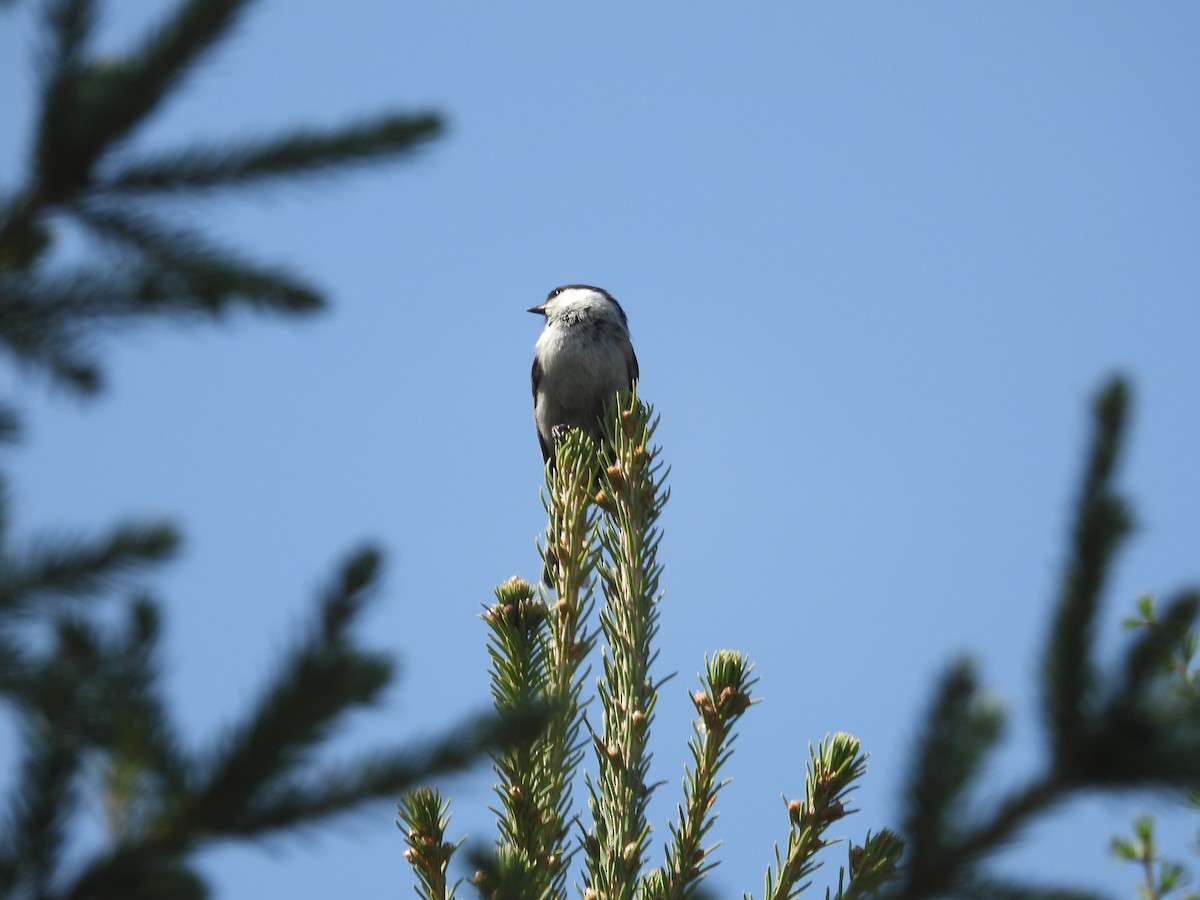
{"x":582,"y":358}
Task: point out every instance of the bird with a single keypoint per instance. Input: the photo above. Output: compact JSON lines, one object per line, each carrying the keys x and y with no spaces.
{"x":582,"y":358}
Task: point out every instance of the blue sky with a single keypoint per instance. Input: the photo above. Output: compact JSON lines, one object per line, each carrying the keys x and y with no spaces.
{"x":876,"y":259}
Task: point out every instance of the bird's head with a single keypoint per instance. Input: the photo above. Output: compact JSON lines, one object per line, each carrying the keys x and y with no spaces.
{"x":578,"y":302}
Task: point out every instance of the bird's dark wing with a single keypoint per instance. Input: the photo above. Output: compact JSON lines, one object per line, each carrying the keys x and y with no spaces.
{"x":536,"y":379}
{"x":633,"y":366}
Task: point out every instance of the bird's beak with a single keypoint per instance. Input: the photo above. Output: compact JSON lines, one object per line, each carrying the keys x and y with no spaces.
{"x":540,"y":310}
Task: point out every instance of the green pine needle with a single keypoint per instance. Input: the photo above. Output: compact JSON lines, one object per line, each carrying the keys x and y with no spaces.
{"x":93,"y":106}
{"x":300,"y":154}
{"x":180,"y":271}
{"x":1101,"y":523}
{"x":79,"y":568}
{"x":960,"y":730}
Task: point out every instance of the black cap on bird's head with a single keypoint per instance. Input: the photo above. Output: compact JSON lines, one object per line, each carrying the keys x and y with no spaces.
{"x":574,"y":299}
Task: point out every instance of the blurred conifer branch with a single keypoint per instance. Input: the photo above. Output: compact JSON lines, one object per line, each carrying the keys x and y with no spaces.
{"x":1178,"y":678}
{"x":1104,"y":730}
{"x":92,"y":724}
{"x":85,"y":173}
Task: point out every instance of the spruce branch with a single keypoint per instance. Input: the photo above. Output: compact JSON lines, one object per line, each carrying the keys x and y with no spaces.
{"x":136,"y":871}
{"x":1161,"y":878}
{"x":726,"y":696}
{"x":632,"y":496}
{"x":50,"y":319}
{"x":871,"y":866}
{"x":100,"y":103}
{"x":1102,"y":521}
{"x":424,"y":818}
{"x":570,"y":556}
{"x":40,"y":326}
{"x":258,"y":782}
{"x":78,"y":568}
{"x":32,"y":842}
{"x":318,"y":682}
{"x":1161,"y":650}
{"x":262,"y":781}
{"x":82,"y":171}
{"x":87,"y":692}
{"x":960,"y":730}
{"x":94,"y":697}
{"x":69,"y":25}
{"x":517,"y":646}
{"x":182,"y":271}
{"x":302,"y":153}
{"x":833,"y":769}
{"x":1104,"y":730}
{"x":1176,"y":650}
{"x":502,"y":875}
{"x":574,"y":519}
{"x":537,"y":651}
{"x":305,"y":799}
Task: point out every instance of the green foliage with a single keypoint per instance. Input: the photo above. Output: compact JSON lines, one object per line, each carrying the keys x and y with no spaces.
{"x":1168,"y":645}
{"x":632,"y":497}
{"x":87,"y":174}
{"x":83,"y":686}
{"x":726,"y":696}
{"x":1162,"y":878}
{"x":1166,"y":655}
{"x":1113,"y":730}
{"x":60,"y":569}
{"x":538,"y":652}
{"x":834,"y":767}
{"x":605,"y":522}
{"x":1121,"y":728}
{"x":424,"y":818}
{"x":1102,"y":520}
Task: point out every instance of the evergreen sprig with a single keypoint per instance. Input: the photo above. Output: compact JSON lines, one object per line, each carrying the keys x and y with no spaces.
{"x":80,"y":568}
{"x":870,"y":867}
{"x":86,"y":173}
{"x":300,"y":154}
{"x":960,"y":729}
{"x":1102,"y":521}
{"x":632,"y":497}
{"x":1164,"y":667}
{"x":573,"y":523}
{"x":833,"y":770}
{"x":424,"y":818}
{"x":1161,"y":877}
{"x":517,"y":646}
{"x":606,"y":522}
{"x":1125,"y":729}
{"x":538,"y":651}
{"x":1104,"y":730}
{"x":726,"y":696}
{"x":84,"y":687}
{"x":96,"y":694}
